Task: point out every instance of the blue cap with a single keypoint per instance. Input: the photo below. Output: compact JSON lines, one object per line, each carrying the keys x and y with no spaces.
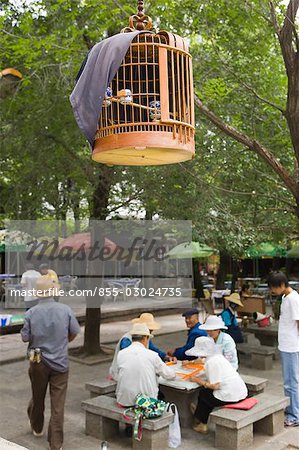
{"x":190,"y":312}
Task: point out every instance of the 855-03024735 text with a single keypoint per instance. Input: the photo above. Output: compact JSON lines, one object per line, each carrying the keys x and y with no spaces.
{"x":141,"y":292}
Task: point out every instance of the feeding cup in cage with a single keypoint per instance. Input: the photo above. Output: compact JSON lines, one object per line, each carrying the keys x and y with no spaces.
{"x":155,"y":114}
{"x":109,"y":94}
{"x":125,"y":96}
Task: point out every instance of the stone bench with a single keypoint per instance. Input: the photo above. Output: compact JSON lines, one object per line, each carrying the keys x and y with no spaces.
{"x":261,"y":356}
{"x":102,"y":418}
{"x":103,"y":387}
{"x":234,"y":428}
{"x":255,"y":385}
{"x":8,"y":445}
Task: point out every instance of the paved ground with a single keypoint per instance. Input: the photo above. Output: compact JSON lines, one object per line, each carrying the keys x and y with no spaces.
{"x":15,"y":393}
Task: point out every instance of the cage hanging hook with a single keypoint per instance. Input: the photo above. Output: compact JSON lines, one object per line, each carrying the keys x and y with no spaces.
{"x":139,"y":21}
{"x":140,"y":8}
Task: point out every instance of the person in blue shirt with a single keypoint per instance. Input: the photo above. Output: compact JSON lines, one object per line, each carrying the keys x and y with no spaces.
{"x":126,"y":341}
{"x":152,"y":325}
{"x":228,"y":316}
{"x":192,"y":322}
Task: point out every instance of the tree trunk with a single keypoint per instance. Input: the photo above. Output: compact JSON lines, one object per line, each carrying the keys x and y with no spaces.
{"x":289,"y":43}
{"x":92,"y":331}
{"x":197,"y":279}
{"x":236,"y":271}
{"x":223,"y":269}
{"x":93,"y":314}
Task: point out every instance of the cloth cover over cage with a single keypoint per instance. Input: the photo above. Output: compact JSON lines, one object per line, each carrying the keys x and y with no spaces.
{"x":147,"y":117}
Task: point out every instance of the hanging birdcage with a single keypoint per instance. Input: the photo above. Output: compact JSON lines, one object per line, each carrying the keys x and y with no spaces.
{"x":147,"y":117}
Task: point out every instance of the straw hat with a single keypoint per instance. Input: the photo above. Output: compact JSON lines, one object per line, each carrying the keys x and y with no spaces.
{"x":203,"y":346}
{"x":213,"y":323}
{"x":149,"y":320}
{"x":234,"y":298}
{"x":140,"y":329}
{"x":45,"y":287}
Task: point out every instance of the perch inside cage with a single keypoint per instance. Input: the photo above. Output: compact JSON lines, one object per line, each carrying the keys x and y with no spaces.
{"x":147,"y":116}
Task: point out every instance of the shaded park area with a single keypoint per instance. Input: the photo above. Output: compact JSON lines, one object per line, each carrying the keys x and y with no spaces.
{"x":149,"y":224}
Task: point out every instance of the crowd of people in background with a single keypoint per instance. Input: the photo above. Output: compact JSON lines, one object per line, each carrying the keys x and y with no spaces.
{"x":214,"y":345}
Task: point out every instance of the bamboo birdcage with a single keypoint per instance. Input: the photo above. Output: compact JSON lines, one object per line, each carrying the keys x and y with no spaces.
{"x":147,"y":116}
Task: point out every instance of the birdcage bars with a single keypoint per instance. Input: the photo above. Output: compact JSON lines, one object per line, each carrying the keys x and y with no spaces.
{"x":148,"y":116}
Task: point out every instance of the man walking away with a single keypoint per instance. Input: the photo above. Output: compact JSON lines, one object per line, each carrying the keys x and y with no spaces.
{"x":48,"y":327}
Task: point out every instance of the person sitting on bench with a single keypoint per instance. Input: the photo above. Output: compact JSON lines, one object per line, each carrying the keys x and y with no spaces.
{"x":138,"y":367}
{"x":126,"y":340}
{"x":223,"y":341}
{"x":229,"y":317}
{"x":223,"y":385}
{"x":192,"y":322}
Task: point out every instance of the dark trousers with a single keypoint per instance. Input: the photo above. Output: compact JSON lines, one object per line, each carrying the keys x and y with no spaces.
{"x":40,"y":376}
{"x":206,"y":403}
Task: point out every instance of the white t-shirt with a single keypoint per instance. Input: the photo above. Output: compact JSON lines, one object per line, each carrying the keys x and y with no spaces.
{"x":232,"y":387}
{"x":288,"y":333}
{"x":28,"y":282}
{"x":137,"y":370}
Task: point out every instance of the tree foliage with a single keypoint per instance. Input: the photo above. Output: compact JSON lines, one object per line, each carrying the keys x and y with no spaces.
{"x":232,"y":195}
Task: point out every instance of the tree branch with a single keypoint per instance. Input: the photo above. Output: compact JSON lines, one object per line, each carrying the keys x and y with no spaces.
{"x":253,"y":91}
{"x":249,"y":88}
{"x":285,"y":34}
{"x":253,"y":145}
{"x":88,"y":42}
{"x":274,"y":20}
{"x":288,"y":28}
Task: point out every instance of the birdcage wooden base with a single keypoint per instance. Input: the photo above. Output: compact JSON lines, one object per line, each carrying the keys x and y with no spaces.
{"x":143,"y":148}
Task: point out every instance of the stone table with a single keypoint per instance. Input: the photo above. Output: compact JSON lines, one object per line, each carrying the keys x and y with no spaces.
{"x":266,"y":335}
{"x":182,"y":393}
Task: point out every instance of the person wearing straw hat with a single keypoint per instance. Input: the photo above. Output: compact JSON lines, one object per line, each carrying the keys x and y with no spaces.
{"x":138,"y":368}
{"x":48,"y":328}
{"x":229,"y":317}
{"x":224,"y":342}
{"x":223,"y":384}
{"x":126,"y":340}
{"x":52,"y":275}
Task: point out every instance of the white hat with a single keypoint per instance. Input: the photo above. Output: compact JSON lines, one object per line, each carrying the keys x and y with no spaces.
{"x":140,"y":329}
{"x":258,"y":316}
{"x":203,"y":346}
{"x":213,"y":323}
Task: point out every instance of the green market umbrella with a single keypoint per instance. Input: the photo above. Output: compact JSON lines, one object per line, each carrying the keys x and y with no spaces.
{"x":190,"y":250}
{"x":264,"y":250}
{"x":294,"y":252}
{"x":12,"y":247}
